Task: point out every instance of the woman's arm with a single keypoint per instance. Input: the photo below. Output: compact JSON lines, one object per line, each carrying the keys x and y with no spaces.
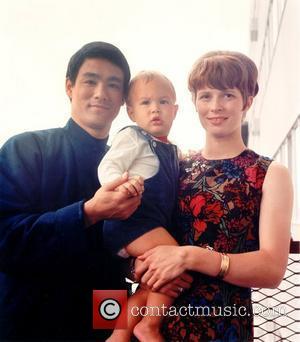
{"x":262,"y":268}
{"x":266,"y":267}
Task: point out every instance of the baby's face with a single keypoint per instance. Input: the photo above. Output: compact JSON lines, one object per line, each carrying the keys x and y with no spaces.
{"x":152,"y":106}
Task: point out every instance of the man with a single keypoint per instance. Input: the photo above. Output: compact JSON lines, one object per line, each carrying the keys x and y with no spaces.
{"x":51,"y":251}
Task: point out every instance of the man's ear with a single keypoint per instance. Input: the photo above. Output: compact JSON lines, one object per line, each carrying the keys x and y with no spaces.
{"x":130,"y":113}
{"x":69,"y":88}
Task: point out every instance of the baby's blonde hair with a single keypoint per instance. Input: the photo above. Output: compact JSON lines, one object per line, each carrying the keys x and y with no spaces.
{"x":147,"y":76}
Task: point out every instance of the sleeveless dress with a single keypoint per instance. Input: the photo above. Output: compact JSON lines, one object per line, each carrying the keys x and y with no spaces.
{"x":219,"y":206}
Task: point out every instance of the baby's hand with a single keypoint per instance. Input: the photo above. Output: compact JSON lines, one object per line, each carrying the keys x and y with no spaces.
{"x":133,"y":187}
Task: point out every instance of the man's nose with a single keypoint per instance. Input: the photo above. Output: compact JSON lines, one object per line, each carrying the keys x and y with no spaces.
{"x":101,"y":91}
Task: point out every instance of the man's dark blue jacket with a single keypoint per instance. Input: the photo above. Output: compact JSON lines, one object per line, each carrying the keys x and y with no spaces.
{"x":49,"y":262}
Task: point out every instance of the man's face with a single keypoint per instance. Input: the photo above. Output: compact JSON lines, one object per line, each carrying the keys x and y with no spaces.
{"x":96,"y":96}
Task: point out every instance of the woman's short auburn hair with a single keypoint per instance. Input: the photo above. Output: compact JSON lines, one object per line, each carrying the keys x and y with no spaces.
{"x":224,"y":70}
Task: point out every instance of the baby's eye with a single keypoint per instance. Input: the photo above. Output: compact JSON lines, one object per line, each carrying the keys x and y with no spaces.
{"x":164,"y":101}
{"x":145,"y":102}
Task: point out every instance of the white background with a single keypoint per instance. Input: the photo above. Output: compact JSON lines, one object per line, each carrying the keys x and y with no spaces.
{"x":39,"y":36}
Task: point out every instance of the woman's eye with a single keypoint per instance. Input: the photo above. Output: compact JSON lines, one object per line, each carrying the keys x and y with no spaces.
{"x":204,"y":97}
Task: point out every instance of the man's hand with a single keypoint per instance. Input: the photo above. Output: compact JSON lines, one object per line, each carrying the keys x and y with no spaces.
{"x":133,"y":187}
{"x":107,"y":203}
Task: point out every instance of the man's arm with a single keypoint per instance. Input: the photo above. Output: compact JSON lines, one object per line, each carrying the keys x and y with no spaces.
{"x":109,"y":204}
{"x":32,"y":238}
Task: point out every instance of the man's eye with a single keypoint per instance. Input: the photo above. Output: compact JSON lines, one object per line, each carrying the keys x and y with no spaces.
{"x":115,"y":85}
{"x":90,"y":82}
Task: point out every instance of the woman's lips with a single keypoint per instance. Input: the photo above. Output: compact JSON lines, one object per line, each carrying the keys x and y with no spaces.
{"x":217,"y":120}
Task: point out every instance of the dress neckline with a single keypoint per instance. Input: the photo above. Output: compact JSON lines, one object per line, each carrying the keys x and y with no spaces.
{"x":223,"y":159}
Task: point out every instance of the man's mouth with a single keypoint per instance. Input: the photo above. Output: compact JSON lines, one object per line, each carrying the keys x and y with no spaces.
{"x":99,"y":106}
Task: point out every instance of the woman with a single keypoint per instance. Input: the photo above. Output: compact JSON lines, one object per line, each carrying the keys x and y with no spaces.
{"x":234,"y":213}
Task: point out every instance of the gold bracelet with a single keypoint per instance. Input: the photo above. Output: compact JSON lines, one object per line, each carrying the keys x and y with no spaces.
{"x":224,"y":267}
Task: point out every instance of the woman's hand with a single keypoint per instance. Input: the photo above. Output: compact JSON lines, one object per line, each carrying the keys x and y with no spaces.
{"x":161,"y":265}
{"x":177,"y":286}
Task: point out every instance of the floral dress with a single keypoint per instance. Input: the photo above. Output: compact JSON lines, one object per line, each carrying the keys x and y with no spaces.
{"x":219,"y":206}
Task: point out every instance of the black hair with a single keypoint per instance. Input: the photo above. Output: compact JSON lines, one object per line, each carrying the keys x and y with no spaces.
{"x":98,"y":50}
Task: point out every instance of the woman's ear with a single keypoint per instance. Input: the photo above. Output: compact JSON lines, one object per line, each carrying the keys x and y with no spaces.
{"x":244,"y":116}
{"x":194,"y":96}
{"x":248,"y":103}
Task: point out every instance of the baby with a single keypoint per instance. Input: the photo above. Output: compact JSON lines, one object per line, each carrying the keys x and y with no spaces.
{"x":144,"y":151}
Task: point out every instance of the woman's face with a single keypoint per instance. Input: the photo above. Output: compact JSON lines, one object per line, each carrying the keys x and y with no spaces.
{"x":221,"y":112}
